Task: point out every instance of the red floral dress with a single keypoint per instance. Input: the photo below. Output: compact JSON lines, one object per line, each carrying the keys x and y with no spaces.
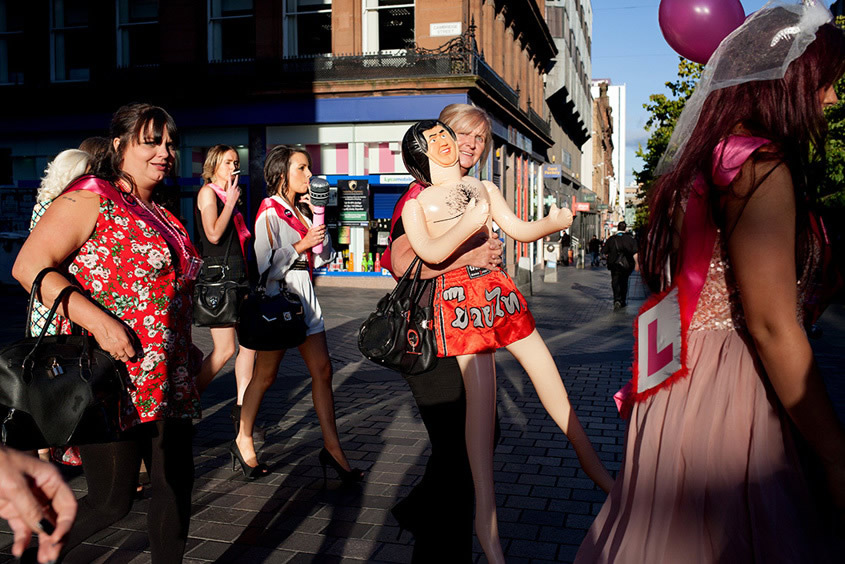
{"x":127,"y":267}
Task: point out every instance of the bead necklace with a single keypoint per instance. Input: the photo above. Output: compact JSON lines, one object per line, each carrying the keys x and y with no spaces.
{"x":175,"y":233}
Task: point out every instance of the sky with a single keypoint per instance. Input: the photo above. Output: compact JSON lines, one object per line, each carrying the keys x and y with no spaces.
{"x":628,"y":48}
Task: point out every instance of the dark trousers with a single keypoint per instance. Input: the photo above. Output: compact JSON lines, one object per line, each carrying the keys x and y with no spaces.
{"x":111,"y":470}
{"x":619,"y":283}
{"x":439,"y":510}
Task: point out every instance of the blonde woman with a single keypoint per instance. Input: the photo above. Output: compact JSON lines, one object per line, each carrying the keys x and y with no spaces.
{"x":223,"y":238}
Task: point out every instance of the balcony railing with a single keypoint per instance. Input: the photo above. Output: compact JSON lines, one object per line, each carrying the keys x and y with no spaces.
{"x":458,"y":57}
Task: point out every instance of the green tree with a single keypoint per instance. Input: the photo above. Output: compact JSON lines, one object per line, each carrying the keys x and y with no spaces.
{"x":833,"y":187}
{"x":664,"y":113}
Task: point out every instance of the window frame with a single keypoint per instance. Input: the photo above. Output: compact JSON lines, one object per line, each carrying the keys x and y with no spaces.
{"x":8,"y":36}
{"x":290,"y":47}
{"x":214,"y":20}
{"x":124,"y":59}
{"x":54,"y":30}
{"x":365,"y":26}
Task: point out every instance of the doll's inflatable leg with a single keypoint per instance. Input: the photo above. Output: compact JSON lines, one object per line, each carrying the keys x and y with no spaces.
{"x":534,"y":356}
{"x":479,"y":374}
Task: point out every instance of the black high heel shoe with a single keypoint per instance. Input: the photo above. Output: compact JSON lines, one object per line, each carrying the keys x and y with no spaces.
{"x":346,"y":476}
{"x":251,"y":472}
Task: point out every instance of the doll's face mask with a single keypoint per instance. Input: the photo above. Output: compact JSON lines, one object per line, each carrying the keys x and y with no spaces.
{"x":442,"y":147}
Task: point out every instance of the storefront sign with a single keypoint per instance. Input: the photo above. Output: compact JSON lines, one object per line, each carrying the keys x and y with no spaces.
{"x":354,"y":200}
{"x":400,"y":179}
{"x":602,"y":206}
{"x":444,"y":29}
{"x":551,"y":171}
{"x":582,"y":206}
{"x":588,"y":196}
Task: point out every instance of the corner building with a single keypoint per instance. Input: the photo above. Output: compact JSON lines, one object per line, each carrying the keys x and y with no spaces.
{"x":343,"y":78}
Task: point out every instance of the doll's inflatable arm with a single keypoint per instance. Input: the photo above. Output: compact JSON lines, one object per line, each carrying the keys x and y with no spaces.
{"x":435,"y":250}
{"x":525,"y":231}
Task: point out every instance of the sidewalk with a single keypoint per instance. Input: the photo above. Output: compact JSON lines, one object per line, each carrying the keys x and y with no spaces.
{"x":545,"y":501}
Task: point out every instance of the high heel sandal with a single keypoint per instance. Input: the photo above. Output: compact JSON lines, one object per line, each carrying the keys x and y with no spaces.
{"x":346,"y":476}
{"x":250,"y":472}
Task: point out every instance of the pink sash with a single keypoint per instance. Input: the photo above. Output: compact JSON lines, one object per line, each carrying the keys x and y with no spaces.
{"x":662,"y":325}
{"x":128,"y":203}
{"x":237,"y":217}
{"x":288,"y":217}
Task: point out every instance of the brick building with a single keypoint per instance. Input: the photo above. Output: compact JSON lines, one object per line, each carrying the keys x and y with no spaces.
{"x":344,"y":78}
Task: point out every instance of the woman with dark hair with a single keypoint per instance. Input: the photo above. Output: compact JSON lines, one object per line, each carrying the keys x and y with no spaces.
{"x":712,"y":468}
{"x":284,"y":239}
{"x":223,"y":237}
{"x":137,"y":263}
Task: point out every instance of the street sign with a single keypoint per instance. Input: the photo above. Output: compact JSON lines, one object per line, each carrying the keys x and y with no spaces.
{"x":551,"y":171}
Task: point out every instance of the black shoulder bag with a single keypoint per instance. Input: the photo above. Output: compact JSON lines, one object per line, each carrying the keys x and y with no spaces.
{"x":400,"y":333}
{"x":271,"y":323}
{"x":58,"y":390}
{"x":217,"y":300}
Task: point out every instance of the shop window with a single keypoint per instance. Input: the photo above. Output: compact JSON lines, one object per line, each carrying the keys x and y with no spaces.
{"x":231,"y":30}
{"x":308,"y":27}
{"x":11,"y":42}
{"x":138,"y":42}
{"x":70,"y":41}
{"x":388,"y":25}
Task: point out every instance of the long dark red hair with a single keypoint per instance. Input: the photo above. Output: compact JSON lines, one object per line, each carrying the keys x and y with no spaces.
{"x":787,"y":111}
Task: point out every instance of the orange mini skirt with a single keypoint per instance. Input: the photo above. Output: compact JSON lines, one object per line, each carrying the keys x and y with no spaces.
{"x":478,"y":310}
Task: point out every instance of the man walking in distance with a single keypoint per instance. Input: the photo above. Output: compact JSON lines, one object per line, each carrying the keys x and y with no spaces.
{"x":621,"y":251}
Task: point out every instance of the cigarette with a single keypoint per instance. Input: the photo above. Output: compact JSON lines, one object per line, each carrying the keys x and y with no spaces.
{"x":236,"y":172}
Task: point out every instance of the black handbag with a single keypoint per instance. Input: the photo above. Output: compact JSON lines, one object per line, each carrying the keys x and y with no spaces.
{"x":400,"y":333}
{"x":59,"y":390}
{"x":217,"y":299}
{"x":271,"y":323}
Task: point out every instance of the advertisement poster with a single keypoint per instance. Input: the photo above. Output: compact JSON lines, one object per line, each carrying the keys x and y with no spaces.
{"x":354,"y":196}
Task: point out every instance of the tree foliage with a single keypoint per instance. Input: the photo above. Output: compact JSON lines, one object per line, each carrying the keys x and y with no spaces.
{"x":664,"y":112}
{"x":833,"y":187}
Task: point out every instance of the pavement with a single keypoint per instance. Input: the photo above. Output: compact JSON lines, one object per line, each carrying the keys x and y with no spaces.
{"x":546,"y":502}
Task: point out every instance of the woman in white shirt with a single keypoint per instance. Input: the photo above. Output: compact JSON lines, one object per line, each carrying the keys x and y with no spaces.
{"x":284,"y":225}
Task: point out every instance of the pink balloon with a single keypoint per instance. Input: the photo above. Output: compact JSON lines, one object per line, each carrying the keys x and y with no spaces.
{"x":694,"y":28}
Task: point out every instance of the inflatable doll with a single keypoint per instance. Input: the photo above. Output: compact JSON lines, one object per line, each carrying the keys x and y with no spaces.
{"x":478,"y":311}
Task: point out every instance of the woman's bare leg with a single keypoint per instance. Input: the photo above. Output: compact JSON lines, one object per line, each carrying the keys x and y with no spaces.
{"x":534,"y":356}
{"x":479,"y":374}
{"x":244,"y":364}
{"x":224,"y":347}
{"x":264,"y":374}
{"x":315,"y":353}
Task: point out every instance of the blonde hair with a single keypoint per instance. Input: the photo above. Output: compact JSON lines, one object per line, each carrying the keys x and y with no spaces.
{"x":213,"y":159}
{"x":61,"y":171}
{"x":463,"y":118}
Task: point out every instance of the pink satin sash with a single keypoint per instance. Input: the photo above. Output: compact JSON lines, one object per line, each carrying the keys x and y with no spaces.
{"x":128,"y":203}
{"x":288,"y":217}
{"x":237,"y":217}
{"x":663,"y":322}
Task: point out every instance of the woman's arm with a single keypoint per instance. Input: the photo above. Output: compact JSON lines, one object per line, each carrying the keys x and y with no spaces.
{"x":525,"y":231}
{"x":762,"y":253}
{"x":67,"y":224}
{"x":437,"y":249}
{"x":481,"y":250}
{"x":212,"y":224}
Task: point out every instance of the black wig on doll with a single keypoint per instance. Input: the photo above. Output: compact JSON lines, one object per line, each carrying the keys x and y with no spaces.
{"x":415,"y":149}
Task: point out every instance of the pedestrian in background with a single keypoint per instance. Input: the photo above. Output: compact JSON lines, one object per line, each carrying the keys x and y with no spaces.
{"x":621,"y":252}
{"x":727,"y":459}
{"x":594,"y":246}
